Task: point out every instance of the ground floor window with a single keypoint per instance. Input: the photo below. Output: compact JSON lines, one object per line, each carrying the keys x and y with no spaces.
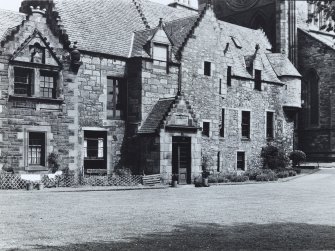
{"x":36,"y":149}
{"x":240,"y":161}
{"x":95,"y":152}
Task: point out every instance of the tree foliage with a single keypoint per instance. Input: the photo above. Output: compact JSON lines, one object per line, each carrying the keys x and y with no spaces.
{"x":327,"y":10}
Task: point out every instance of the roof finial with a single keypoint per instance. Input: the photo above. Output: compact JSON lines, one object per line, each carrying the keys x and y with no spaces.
{"x":257,"y":47}
{"x":160,"y":22}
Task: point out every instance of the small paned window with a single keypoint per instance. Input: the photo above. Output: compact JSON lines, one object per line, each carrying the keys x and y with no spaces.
{"x":115,"y":99}
{"x":245,"y":124}
{"x":269,"y":125}
{"x":240,"y":163}
{"x":36,"y":149}
{"x":258,"y":80}
{"x":23,"y":81}
{"x":229,"y":76}
{"x":205,"y":128}
{"x":207,"y":68}
{"x":222,"y":127}
{"x":48,"y":84}
{"x":94,"y":148}
{"x":160,"y":55}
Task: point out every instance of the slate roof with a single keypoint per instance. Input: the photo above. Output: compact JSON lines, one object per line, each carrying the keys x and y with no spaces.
{"x":282,"y":65}
{"x":156,"y":116}
{"x":100,"y":25}
{"x":8,"y":21}
{"x":326,"y":38}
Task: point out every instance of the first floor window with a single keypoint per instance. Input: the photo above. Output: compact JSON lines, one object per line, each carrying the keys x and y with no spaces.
{"x":36,"y":149}
{"x":240,"y":161}
{"x":269,"y":125}
{"x":205,"y":128}
{"x":245,"y":124}
{"x":23,"y":81}
{"x":115,"y":98}
{"x":48,"y":84}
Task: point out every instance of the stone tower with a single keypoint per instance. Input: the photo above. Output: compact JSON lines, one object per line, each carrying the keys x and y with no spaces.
{"x":277,"y":18}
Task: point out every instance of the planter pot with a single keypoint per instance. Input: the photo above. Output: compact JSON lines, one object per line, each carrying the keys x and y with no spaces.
{"x":30,"y":186}
{"x":174,"y":183}
{"x":40,"y":186}
{"x":205,"y":182}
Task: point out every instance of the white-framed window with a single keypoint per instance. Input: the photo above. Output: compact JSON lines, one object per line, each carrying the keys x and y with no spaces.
{"x":36,"y":148}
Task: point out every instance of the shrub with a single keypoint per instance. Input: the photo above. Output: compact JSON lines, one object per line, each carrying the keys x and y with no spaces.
{"x":123,"y":171}
{"x":297,"y":157}
{"x":267,"y":175}
{"x":283,"y":174}
{"x":198,"y":181}
{"x":53,"y":161}
{"x":252,"y":174}
{"x":222,"y":179}
{"x":239,"y":178}
{"x":274,"y":158}
{"x":297,"y":170}
{"x":292,"y":172}
{"x":212,"y":179}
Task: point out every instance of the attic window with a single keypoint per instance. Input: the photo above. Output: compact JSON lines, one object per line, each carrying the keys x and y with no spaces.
{"x":236,"y":42}
{"x":160,"y":52}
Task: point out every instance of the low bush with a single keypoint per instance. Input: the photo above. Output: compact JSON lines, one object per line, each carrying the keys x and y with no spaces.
{"x":267,"y":175}
{"x":297,"y":157}
{"x":297,"y":170}
{"x":212,"y":179}
{"x":274,"y":158}
{"x":198,"y":181}
{"x":239,"y":178}
{"x":253,"y":173}
{"x":292,"y":172}
{"x":222,"y":179}
{"x":283,"y":174}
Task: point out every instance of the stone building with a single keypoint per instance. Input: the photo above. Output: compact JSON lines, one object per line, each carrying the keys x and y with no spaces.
{"x":310,"y":49}
{"x":130,"y":83}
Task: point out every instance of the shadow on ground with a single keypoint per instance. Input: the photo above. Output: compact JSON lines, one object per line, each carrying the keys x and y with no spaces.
{"x":280,"y":236}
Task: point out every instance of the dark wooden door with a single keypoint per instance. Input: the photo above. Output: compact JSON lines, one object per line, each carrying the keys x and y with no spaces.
{"x":181,"y":159}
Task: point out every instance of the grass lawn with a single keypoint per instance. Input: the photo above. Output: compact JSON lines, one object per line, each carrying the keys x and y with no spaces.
{"x":298,"y":214}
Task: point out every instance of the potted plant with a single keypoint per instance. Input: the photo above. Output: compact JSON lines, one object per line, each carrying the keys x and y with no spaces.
{"x":29,"y":185}
{"x":174,"y":180}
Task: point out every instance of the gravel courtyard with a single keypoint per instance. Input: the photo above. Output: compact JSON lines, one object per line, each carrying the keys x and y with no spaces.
{"x":299,"y":214}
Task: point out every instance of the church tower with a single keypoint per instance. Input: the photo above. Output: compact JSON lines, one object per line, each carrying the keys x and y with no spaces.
{"x":277,"y":18}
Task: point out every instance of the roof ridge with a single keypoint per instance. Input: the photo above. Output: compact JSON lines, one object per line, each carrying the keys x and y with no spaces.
{"x":138,"y":6}
{"x":13,"y":11}
{"x":189,"y":34}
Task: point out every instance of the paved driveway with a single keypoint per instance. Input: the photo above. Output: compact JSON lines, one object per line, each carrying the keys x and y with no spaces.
{"x":298,"y":214}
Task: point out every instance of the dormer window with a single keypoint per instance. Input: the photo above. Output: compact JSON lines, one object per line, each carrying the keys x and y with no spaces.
{"x":258,"y":80}
{"x":160,"y":53}
{"x":23,"y":81}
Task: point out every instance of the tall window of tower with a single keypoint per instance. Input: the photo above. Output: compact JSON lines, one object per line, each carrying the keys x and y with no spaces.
{"x":312,"y":97}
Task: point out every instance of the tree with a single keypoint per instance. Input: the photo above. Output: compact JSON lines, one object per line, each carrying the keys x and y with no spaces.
{"x":327,"y":9}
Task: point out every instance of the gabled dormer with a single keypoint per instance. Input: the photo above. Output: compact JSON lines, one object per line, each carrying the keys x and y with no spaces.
{"x":255,"y":67}
{"x":160,"y":46}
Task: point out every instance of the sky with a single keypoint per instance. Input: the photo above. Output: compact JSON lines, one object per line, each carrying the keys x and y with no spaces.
{"x":15,"y":4}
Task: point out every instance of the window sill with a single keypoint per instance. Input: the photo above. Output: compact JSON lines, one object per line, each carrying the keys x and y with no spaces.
{"x":36,"y":99}
{"x":36,"y":168}
{"x":245,"y":139}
